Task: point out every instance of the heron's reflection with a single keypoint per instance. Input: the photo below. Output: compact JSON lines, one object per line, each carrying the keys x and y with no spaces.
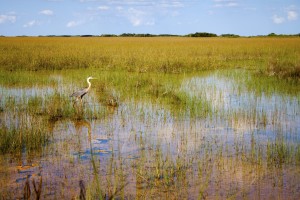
{"x":79,"y":125}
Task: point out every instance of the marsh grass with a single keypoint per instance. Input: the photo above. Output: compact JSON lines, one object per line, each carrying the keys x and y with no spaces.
{"x":197,"y":118}
{"x":271,"y":56}
{"x":28,"y":111}
{"x":281,"y":153}
{"x":24,"y":134}
{"x":163,"y":89}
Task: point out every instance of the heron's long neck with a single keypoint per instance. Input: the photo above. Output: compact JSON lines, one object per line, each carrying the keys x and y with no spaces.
{"x":88,"y":81}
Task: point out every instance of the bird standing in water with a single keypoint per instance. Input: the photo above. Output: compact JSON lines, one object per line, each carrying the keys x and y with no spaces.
{"x":80,"y":93}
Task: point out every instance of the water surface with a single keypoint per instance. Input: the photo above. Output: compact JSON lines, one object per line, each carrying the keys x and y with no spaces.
{"x":247,"y":146}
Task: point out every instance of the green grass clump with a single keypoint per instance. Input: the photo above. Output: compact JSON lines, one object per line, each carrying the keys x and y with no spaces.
{"x":28,"y":135}
{"x":281,"y":153}
{"x":58,"y":106}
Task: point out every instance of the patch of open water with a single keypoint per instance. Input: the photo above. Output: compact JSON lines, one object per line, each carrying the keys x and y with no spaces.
{"x":137,"y":131}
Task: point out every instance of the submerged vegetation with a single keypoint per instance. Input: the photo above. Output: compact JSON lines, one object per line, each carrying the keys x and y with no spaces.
{"x":169,"y":118}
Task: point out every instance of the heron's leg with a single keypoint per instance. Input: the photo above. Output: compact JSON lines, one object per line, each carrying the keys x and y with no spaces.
{"x":74,"y":104}
{"x":81,"y":105}
{"x":75,"y":101}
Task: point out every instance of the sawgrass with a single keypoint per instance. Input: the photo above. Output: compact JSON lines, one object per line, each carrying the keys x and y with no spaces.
{"x":269,"y":56}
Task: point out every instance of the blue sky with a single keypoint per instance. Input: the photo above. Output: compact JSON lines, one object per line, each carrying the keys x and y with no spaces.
{"x":79,"y":17}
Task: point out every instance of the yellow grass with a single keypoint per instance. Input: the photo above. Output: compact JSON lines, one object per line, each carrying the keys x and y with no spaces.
{"x":271,"y":56}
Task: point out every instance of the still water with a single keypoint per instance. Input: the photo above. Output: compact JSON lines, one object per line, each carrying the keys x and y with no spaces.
{"x":247,"y":146}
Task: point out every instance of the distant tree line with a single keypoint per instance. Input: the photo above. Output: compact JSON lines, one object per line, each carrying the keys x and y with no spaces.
{"x":281,"y":35}
{"x":139,"y":35}
{"x":197,"y":34}
{"x":230,"y":35}
{"x":202,"y":34}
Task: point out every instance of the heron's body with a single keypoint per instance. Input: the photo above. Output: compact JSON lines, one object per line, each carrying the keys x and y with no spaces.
{"x":80,"y":93}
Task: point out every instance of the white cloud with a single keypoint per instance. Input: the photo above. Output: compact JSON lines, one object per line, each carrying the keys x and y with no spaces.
{"x":102,"y":8}
{"x":135,"y":16}
{"x":46,"y":12}
{"x":135,"y":21}
{"x":292,"y":15}
{"x":231,"y":4}
{"x":88,"y":0}
{"x":139,"y":17}
{"x":137,"y":12}
{"x":7,"y":18}
{"x":250,"y":8}
{"x":220,"y":0}
{"x":99,"y":8}
{"x":225,"y":3}
{"x":74,"y":23}
{"x":170,"y":4}
{"x":277,"y":19}
{"x":141,"y":3}
{"x":30,"y":24}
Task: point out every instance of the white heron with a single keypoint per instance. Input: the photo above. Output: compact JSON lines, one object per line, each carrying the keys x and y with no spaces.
{"x":80,"y":93}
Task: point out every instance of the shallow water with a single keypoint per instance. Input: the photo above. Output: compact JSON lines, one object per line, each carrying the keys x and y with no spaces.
{"x":143,"y":150}
{"x":275,"y":112}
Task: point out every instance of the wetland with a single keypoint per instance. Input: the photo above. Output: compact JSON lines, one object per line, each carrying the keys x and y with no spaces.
{"x":193,"y":118}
